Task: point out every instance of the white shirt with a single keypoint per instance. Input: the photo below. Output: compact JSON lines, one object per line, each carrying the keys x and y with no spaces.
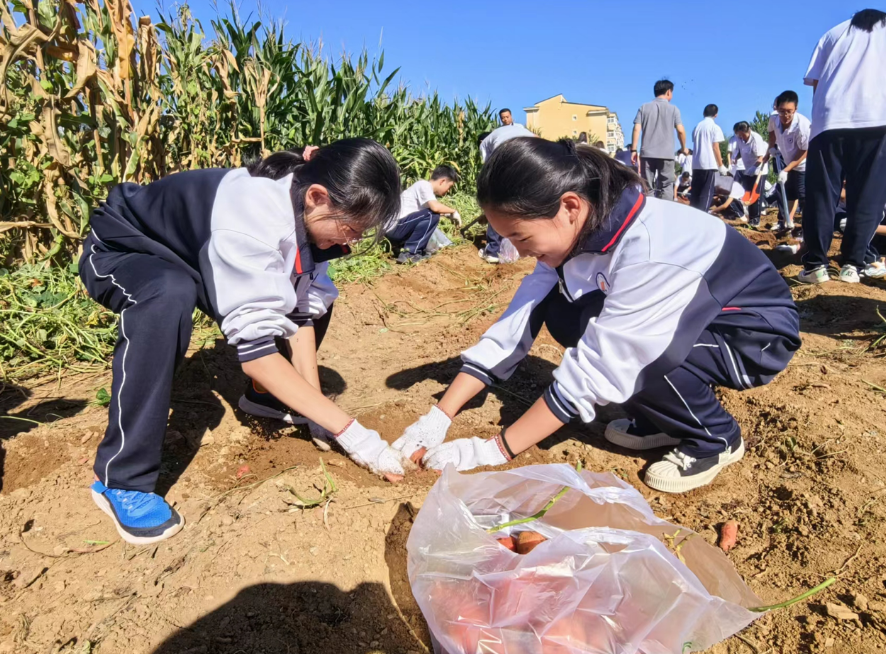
{"x":848,"y":64}
{"x":685,"y":161}
{"x":705,"y":134}
{"x":500,"y":135}
{"x":751,"y":150}
{"x":793,"y":141}
{"x":737,"y":164}
{"x":416,"y":197}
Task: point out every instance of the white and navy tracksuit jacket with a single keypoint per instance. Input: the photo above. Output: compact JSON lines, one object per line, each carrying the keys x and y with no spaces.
{"x":232,"y":245}
{"x":661,"y":303}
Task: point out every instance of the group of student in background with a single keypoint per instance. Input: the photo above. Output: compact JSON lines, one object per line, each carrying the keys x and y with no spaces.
{"x":655,"y":303}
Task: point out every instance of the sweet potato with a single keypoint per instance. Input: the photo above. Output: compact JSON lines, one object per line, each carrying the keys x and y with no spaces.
{"x":508,"y":542}
{"x":528,"y":541}
{"x":728,"y":535}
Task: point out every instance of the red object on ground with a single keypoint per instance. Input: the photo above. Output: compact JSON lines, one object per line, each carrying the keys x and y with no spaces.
{"x":243,"y":470}
{"x":728,"y":535}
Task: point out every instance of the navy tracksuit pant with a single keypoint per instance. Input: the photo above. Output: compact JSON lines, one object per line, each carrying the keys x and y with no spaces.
{"x":857,"y":156}
{"x":682,"y":403}
{"x":493,"y":242}
{"x":701,"y":194}
{"x":414,"y":230}
{"x":155,"y":300}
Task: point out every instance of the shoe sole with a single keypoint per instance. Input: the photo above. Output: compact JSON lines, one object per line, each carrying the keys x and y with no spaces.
{"x":813,"y":282}
{"x":248,"y":406}
{"x":683,"y":484}
{"x":102,"y":502}
{"x":638,"y":443}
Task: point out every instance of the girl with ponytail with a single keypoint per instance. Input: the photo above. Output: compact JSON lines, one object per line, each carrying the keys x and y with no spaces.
{"x":250,"y":248}
{"x":654,"y":303}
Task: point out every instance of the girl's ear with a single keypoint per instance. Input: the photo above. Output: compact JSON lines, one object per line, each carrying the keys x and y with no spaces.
{"x":316,"y":196}
{"x":571,"y":203}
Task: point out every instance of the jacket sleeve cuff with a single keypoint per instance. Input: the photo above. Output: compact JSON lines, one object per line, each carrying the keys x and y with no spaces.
{"x":559,"y":406}
{"x":251,"y":350}
{"x":476,"y":371}
{"x":301,"y":319}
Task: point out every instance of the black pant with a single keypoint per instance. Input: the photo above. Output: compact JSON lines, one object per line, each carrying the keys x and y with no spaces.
{"x":795,"y":190}
{"x":155,"y":300}
{"x":414,"y":230}
{"x":859,"y":157}
{"x":682,"y":402}
{"x":702,"y":192}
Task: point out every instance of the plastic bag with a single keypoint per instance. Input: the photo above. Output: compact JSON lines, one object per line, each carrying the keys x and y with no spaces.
{"x":607,"y":581}
{"x":507,"y":253}
{"x":438,"y":241}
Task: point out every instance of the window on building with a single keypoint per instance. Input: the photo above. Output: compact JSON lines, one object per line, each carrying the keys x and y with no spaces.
{"x":575,"y":132}
{"x":574,"y":117}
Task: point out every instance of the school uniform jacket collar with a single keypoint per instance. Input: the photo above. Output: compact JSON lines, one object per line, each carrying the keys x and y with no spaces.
{"x":614,"y":226}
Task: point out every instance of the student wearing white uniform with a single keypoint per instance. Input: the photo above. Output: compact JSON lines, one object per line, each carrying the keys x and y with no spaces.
{"x":753,"y":152}
{"x":420,"y":214}
{"x":706,"y":139}
{"x":736,"y":165}
{"x":789,"y":132}
{"x":654,"y":303}
{"x":730,"y":193}
{"x":848,"y":141}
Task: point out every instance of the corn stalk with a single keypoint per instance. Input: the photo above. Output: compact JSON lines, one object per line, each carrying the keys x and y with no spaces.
{"x":90,"y":96}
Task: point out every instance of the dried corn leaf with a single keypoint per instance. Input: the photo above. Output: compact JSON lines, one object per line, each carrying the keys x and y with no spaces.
{"x":86,"y":67}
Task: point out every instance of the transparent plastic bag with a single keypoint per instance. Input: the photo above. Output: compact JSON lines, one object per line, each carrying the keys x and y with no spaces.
{"x":507,"y":253}
{"x":438,"y":241}
{"x":607,"y":581}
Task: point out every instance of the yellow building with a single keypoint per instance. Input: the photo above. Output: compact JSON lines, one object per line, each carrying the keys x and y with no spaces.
{"x":555,"y":118}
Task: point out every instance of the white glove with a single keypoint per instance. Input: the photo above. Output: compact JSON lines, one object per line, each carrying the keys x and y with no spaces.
{"x":367,"y":449}
{"x":782,"y":177}
{"x":456,"y":216}
{"x":322,"y":438}
{"x":465,"y":454}
{"x":429,"y":431}
{"x":773,"y":152}
{"x":724,"y":170}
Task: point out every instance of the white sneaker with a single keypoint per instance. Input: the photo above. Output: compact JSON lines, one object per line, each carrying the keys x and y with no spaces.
{"x":849,"y":274}
{"x":487,"y":257}
{"x":817,"y":276}
{"x":679,"y":472}
{"x":623,"y":432}
{"x":875,"y":270}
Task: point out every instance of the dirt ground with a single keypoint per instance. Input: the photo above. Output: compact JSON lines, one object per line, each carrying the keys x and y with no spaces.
{"x":253,"y":572}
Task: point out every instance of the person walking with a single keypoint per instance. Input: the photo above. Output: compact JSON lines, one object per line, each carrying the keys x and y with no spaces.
{"x":847,"y":141}
{"x":657,"y":121}
{"x":706,"y":139}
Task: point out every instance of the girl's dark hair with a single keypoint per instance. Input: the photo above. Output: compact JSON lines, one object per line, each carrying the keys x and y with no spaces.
{"x":360,"y":175}
{"x":868,"y":19}
{"x":526,"y":177}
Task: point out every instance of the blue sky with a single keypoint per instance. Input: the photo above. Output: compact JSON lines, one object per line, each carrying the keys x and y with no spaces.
{"x":736,"y":55}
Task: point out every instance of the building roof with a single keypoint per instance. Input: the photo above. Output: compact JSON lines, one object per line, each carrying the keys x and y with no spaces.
{"x":565,"y":101}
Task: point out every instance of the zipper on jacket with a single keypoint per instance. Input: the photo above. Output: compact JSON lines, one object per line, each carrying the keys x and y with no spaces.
{"x":562,"y":281}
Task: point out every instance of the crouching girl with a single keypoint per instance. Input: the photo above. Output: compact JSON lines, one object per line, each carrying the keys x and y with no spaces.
{"x":242,"y":245}
{"x":656,"y":303}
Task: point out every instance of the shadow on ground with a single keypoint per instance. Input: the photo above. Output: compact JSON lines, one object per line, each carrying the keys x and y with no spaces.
{"x":299,"y":618}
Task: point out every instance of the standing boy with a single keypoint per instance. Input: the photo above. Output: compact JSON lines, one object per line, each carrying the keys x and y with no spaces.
{"x":420,"y":213}
{"x":657,"y":120}
{"x":706,"y":139}
{"x":847,"y":141}
{"x":736,"y":165}
{"x":754,"y":153}
{"x":789,"y":131}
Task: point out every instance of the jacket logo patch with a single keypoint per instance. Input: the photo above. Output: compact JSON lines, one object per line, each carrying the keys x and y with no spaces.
{"x":602,"y":282}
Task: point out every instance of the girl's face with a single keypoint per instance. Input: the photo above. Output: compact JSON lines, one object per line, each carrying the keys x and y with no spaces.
{"x":324,"y":228}
{"x":549,"y":240}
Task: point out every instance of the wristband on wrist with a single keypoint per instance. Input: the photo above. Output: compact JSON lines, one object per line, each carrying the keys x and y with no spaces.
{"x":503,"y":445}
{"x":347,"y":426}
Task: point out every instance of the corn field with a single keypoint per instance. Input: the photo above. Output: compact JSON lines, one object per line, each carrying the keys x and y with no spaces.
{"x":91,"y":95}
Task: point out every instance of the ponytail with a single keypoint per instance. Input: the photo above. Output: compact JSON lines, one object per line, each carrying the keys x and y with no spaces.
{"x":527,"y":177}
{"x":360,"y":176}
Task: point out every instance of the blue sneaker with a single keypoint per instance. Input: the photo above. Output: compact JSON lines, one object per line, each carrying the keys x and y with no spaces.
{"x":140,"y":518}
{"x":265,"y":405}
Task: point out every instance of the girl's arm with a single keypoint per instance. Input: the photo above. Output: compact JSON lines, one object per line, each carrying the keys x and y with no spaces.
{"x":284,"y":382}
{"x":304,"y":355}
{"x":464,"y":388}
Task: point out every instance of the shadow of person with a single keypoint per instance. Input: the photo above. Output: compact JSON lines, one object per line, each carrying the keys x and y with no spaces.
{"x":830,"y":315}
{"x":309,"y":617}
{"x":204,"y":384}
{"x":25,"y":420}
{"x":395,"y":558}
